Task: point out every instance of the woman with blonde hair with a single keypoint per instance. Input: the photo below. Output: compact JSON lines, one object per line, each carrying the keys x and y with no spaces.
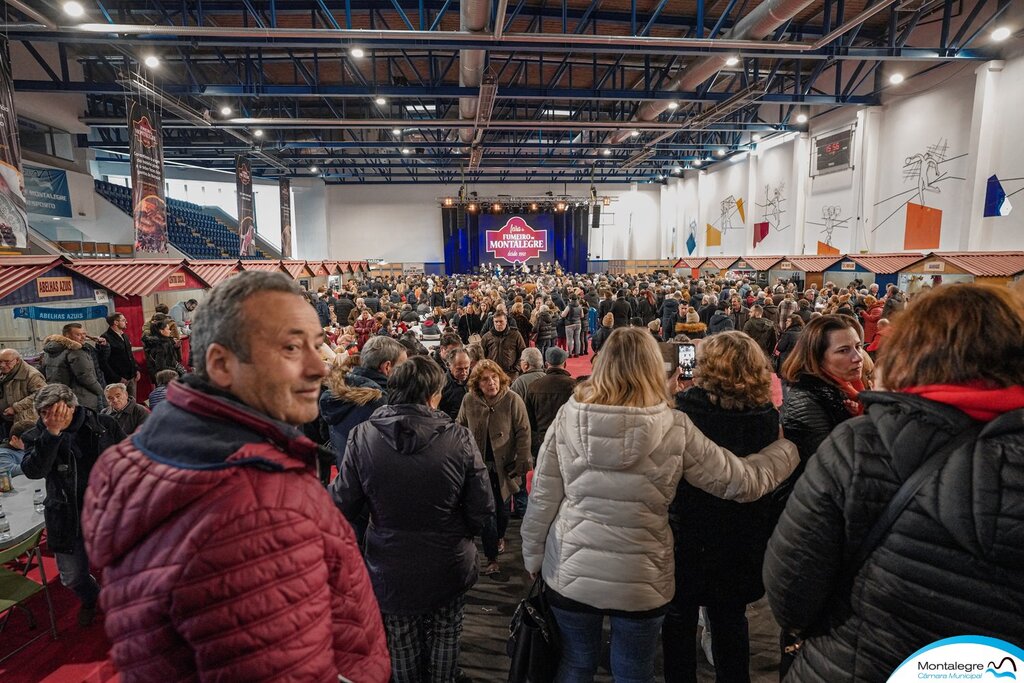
{"x":720,"y":544}
{"x":499,"y":423}
{"x":597,"y":526}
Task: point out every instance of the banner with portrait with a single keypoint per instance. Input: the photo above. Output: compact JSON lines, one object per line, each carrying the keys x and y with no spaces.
{"x":285,"y":187}
{"x":246,"y":212}
{"x":149,"y":208}
{"x":13,"y":216}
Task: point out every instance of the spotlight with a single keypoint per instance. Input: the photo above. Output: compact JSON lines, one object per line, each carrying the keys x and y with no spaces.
{"x":801,"y":118}
{"x":697,"y":163}
{"x":152,"y":61}
{"x":533,"y":207}
{"x":258,"y":133}
{"x":673,"y":105}
{"x":896,"y":78}
{"x":1001,"y":33}
{"x":607,"y":201}
{"x":634,"y":134}
{"x":448,"y":201}
{"x":496,"y":208}
{"x":471,"y":208}
{"x":756,"y":137}
{"x":225,"y":111}
{"x":406,"y":150}
{"x":720,"y":152}
{"x":732,"y":60}
{"x":607,"y":152}
{"x":73,"y":9}
{"x":380,"y":101}
{"x":396,"y":131}
{"x":560,"y":206}
{"x":357,"y":52}
{"x":313,"y":169}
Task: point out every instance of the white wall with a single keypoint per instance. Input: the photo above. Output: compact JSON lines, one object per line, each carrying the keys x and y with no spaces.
{"x":721,"y":192}
{"x":775,"y":199}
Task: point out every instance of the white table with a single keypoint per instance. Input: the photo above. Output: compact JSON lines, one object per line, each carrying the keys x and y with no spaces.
{"x":21,"y":511}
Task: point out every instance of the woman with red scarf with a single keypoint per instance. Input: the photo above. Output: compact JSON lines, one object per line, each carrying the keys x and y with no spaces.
{"x":951,"y":563}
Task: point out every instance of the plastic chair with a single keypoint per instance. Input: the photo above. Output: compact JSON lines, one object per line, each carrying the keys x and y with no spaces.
{"x":16,"y":587}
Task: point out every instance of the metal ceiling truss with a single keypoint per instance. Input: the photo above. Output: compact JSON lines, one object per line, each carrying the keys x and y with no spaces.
{"x":574,"y":89}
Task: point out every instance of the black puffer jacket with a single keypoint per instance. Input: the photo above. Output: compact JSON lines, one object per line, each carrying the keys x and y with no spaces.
{"x":720,"y":544}
{"x":428,"y":494}
{"x":952,"y":564}
{"x":812,"y":409}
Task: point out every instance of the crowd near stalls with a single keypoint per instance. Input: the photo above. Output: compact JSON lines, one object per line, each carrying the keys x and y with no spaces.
{"x":315,"y":471}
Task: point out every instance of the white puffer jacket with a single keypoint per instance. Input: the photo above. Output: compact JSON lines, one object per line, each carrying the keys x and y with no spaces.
{"x":597,"y":523}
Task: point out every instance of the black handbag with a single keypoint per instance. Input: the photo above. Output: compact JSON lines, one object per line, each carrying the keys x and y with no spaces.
{"x":533,"y":642}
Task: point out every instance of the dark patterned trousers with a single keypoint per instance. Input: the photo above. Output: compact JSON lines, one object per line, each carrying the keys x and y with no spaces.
{"x":425,"y":647}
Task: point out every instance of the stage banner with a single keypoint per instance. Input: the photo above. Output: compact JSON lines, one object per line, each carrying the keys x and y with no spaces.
{"x":13,"y":221}
{"x":524,"y":238}
{"x":147,"y":167}
{"x":46,"y":190}
{"x":285,"y":186}
{"x":246,"y":214}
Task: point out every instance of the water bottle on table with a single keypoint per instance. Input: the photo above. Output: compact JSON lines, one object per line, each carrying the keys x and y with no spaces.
{"x":5,"y":527}
{"x":37,"y":500}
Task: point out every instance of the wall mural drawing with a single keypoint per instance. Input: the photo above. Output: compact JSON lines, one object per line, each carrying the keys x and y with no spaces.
{"x":730,"y":207}
{"x":997,"y":200}
{"x":924,"y":170}
{"x":771,"y":212}
{"x":831,"y":220}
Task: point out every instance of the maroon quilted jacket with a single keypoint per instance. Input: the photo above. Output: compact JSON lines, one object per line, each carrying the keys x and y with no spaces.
{"x":223,"y":557}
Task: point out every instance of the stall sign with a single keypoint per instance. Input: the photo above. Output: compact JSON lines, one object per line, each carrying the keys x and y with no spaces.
{"x":54,"y":286}
{"x":177,"y":280}
{"x":101,"y":296}
{"x":848,"y":265}
{"x":60,"y":314}
{"x":785,"y":265}
{"x":935,"y":267}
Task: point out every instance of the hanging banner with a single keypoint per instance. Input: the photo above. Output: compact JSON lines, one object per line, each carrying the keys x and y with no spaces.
{"x":246,"y":214}
{"x":285,"y":187}
{"x":13,"y":221}
{"x":61,"y":314}
{"x":46,"y":191}
{"x":147,"y":162}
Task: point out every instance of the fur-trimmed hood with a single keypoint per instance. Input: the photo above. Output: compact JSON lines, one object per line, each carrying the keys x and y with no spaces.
{"x":58,"y":343}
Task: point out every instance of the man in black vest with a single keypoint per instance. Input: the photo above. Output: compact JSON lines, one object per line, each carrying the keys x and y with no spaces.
{"x":121,"y":366}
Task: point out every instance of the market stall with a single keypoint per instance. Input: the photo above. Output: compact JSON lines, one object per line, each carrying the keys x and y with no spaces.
{"x":689,"y":266}
{"x":803,"y":270}
{"x":942,"y":268}
{"x":137,"y":286}
{"x":754,"y":268}
{"x":39,"y":295}
{"x":716,"y":266}
{"x":881,"y":269}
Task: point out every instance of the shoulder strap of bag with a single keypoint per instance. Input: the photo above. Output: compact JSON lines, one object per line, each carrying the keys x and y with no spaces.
{"x":902,"y":499}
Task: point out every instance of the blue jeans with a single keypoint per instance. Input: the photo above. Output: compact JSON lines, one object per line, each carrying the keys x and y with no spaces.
{"x":74,"y":573}
{"x":634,"y":644}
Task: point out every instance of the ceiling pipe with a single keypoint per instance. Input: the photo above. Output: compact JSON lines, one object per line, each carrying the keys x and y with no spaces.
{"x":473,"y":15}
{"x":32,"y":14}
{"x":764,"y":19}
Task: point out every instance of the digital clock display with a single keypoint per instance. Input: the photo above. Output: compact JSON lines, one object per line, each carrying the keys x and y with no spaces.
{"x":832,"y":152}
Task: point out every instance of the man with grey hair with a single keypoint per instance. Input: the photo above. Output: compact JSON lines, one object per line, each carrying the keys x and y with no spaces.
{"x":123,"y":408}
{"x":19,"y":383}
{"x":62,"y":448}
{"x":215,"y":502}
{"x":532,"y":365}
{"x":364,"y":389}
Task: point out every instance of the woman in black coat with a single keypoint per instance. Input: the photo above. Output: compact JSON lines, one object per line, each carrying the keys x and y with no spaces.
{"x":787,"y":342}
{"x":427,"y":491}
{"x":951,"y":563}
{"x":160,"y":351}
{"x":720,"y":544}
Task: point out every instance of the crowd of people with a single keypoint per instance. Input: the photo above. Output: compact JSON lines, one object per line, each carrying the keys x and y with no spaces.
{"x":304,"y":501}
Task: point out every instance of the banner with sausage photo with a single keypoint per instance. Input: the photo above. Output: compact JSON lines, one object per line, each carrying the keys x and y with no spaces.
{"x":285,"y":187}
{"x":13,"y":218}
{"x":246,"y":213}
{"x":149,"y":207}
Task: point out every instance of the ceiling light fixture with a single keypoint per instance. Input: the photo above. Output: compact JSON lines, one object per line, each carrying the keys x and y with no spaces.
{"x":73,"y":9}
{"x":313,"y":169}
{"x":673,"y":105}
{"x":801,"y":118}
{"x":357,"y":52}
{"x":406,"y":150}
{"x":634,"y":133}
{"x":677,"y":169}
{"x":732,"y":60}
{"x":896,"y":78}
{"x":756,"y":137}
{"x":607,"y":152}
{"x":1001,"y":33}
{"x":720,"y":152}
{"x":152,"y":61}
{"x":380,"y":101}
{"x":225,"y":111}
{"x":697,"y":162}
{"x":258,"y":133}
{"x":396,"y":131}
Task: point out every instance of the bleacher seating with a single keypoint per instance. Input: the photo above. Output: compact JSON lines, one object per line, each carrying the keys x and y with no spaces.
{"x":190,"y":229}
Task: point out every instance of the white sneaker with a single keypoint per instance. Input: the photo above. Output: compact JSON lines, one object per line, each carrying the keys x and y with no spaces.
{"x":705,"y":644}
